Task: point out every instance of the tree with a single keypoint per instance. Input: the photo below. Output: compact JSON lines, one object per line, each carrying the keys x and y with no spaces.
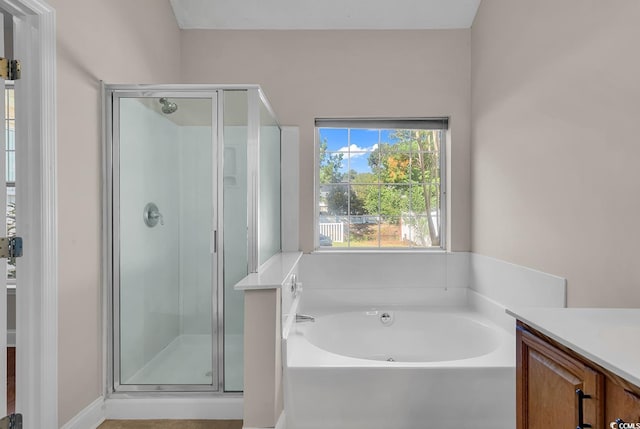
{"x":330,"y":164}
{"x":340,"y":200}
{"x":409,"y":170}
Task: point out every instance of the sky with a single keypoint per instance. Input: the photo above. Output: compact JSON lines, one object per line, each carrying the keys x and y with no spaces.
{"x":356,"y":147}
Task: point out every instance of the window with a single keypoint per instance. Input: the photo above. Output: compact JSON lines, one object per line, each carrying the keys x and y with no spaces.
{"x":10,"y":159}
{"x":381,"y":183}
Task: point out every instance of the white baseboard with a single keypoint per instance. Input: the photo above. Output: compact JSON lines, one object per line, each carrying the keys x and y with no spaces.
{"x":280,"y":424}
{"x":175,"y":408}
{"x":89,"y":418}
{"x":11,"y":337}
{"x":157,"y":408}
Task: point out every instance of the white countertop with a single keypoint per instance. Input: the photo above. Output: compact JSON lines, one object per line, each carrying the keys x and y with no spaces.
{"x":272,"y":273}
{"x":609,"y":337}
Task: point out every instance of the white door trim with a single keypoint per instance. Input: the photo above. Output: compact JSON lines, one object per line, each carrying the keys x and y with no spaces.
{"x":37,"y":294}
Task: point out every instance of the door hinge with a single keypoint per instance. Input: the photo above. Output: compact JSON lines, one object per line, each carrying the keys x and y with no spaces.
{"x":10,"y":69}
{"x":10,"y":247}
{"x":12,"y":421}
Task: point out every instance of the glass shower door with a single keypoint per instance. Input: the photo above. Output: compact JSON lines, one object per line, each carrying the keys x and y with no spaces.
{"x":165,"y":261}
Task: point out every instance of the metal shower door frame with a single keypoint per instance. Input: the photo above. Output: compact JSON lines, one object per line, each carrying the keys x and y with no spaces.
{"x":112,"y":96}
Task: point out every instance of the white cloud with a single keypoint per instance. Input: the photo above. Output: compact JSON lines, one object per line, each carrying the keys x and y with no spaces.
{"x":356,"y":151}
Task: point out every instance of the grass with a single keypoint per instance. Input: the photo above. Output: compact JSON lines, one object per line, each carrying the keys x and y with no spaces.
{"x":366,"y":236}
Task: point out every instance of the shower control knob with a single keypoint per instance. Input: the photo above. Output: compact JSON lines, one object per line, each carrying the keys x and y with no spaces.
{"x":296,"y":286}
{"x":151,"y":215}
{"x":386,"y":318}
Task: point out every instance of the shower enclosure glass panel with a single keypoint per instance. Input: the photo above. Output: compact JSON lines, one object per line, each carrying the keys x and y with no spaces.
{"x":166,"y":266}
{"x":269,"y":185}
{"x":193,"y":206}
{"x":235,"y":232}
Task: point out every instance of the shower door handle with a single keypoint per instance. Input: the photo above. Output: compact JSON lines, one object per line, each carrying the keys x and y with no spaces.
{"x":214,"y":241}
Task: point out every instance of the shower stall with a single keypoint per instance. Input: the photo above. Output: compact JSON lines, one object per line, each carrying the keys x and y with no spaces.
{"x":193,"y":205}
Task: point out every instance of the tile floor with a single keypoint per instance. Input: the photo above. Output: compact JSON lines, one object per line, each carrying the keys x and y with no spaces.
{"x":123,"y":424}
{"x":11,"y":379}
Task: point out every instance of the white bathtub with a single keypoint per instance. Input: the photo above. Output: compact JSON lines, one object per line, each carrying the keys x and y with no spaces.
{"x":420,"y":368}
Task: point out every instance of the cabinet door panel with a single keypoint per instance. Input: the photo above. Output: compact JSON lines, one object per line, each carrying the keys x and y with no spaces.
{"x":551,"y":393}
{"x":621,"y":404}
{"x":547,"y":380}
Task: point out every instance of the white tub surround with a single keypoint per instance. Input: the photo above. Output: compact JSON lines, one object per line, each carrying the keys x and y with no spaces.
{"x":380,"y":269}
{"x":607,"y":337}
{"x":402,"y":337}
{"x":451,"y":368}
{"x":337,"y":279}
{"x":263,"y":303}
{"x":451,"y":342}
{"x":495,"y":285}
{"x":272,"y":273}
{"x":515,"y":285}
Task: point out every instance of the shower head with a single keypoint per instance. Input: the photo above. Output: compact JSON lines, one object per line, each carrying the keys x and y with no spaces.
{"x":168,"y":107}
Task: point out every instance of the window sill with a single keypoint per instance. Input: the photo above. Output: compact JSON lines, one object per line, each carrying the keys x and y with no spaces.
{"x":390,"y":250}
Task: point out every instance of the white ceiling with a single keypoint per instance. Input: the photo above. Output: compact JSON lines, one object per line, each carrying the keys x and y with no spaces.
{"x":324,"y":14}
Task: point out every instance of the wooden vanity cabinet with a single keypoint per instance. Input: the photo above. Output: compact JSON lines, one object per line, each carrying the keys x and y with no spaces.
{"x":546,"y":385}
{"x":622,"y":402}
{"x":558,"y":388}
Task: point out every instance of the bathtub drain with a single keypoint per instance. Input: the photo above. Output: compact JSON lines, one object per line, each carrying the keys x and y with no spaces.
{"x":391,"y":359}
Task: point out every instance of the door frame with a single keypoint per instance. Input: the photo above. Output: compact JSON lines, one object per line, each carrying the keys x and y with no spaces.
{"x":37,"y":297}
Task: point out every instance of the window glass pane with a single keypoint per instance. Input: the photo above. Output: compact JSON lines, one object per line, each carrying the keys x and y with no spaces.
{"x":362,"y":234}
{"x":334,"y":199}
{"x":388,"y":140}
{"x":395,"y":167}
{"x":334,"y":167}
{"x":11,"y":159}
{"x":10,"y":135}
{"x":391,"y":232}
{"x":394,"y":199}
{"x":415,"y":229}
{"x":333,"y":139}
{"x":363,"y":140}
{"x":362,"y":167}
{"x":379,"y":187}
{"x":11,"y":227}
{"x":10,"y":165}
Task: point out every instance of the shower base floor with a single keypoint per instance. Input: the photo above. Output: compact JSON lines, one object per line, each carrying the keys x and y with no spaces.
{"x":187,"y":360}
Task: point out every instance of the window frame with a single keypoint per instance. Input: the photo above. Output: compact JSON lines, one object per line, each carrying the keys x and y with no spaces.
{"x":382,"y":124}
{"x":9,"y":85}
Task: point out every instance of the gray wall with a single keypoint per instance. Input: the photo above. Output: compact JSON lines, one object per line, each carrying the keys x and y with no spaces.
{"x":554,"y":125}
{"x":118,"y":41}
{"x":310,"y":74}
{"x":555,"y":142}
